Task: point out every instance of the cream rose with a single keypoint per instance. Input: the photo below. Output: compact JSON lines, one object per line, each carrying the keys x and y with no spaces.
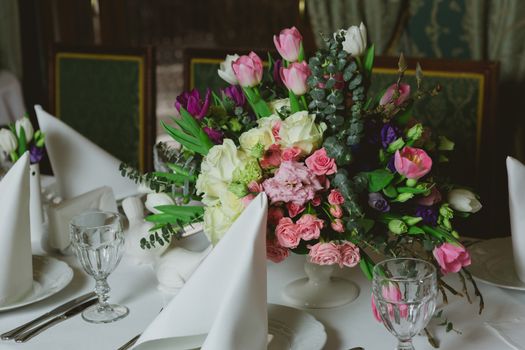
{"x":252,"y":137}
{"x":216,"y":223}
{"x":211,"y":187}
{"x":300,"y":130}
{"x":221,"y":161}
{"x":276,"y":105}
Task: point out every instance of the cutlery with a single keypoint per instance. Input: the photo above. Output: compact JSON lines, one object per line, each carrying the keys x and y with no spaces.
{"x":56,"y":311}
{"x":22,"y":338}
{"x":130,"y":343}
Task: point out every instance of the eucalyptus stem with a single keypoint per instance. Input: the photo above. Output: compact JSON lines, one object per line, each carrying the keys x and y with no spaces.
{"x":465,"y":289}
{"x":450,"y":288}
{"x":476,"y":290}
{"x":431,"y":338}
{"x":443,"y":294}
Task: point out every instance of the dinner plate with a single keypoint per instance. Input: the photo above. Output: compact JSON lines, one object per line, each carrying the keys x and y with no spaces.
{"x":49,"y":277}
{"x":493,"y":263}
{"x":294,"y":329}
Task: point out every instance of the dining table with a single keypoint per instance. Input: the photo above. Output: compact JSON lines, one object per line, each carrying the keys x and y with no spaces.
{"x":347,"y":326}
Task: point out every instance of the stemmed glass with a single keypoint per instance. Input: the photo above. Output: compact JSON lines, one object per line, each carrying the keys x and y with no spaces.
{"x":98,"y":242}
{"x":405,"y":293}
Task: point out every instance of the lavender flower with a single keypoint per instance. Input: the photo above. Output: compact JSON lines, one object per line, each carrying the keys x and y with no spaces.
{"x":428,"y":214}
{"x":391,"y":165}
{"x":215,"y":136}
{"x":191,"y":101}
{"x":35,"y":154}
{"x":234,"y":92}
{"x":378,"y":202}
{"x":389,"y":133}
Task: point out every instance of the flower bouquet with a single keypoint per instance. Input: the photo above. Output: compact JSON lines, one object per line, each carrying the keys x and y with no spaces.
{"x":20,"y":137}
{"x":346,"y":174}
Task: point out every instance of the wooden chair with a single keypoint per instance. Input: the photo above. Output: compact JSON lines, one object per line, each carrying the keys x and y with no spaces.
{"x":108,"y":95}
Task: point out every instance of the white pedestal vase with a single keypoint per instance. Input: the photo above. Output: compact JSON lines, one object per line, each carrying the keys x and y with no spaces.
{"x":320,"y":290}
{"x":35,"y":204}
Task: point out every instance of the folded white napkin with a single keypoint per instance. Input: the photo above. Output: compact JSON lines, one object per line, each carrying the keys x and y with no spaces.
{"x":16,"y":264}
{"x":60,"y":215}
{"x":78,"y":164}
{"x":223,"y":305}
{"x":516,"y":177}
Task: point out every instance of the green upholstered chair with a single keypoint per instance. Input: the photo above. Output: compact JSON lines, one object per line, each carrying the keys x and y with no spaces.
{"x":108,"y":95}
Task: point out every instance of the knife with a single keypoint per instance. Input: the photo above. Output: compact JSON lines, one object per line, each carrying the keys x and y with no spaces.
{"x":22,"y":338}
{"x":56,"y":311}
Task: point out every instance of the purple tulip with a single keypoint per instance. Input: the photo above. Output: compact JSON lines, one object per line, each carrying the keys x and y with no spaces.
{"x":215,"y":136}
{"x":191,"y":101}
{"x":389,"y":133}
{"x":428,"y":214}
{"x":234,"y":92}
{"x":378,"y":202}
{"x":277,"y":72}
{"x":35,"y":154}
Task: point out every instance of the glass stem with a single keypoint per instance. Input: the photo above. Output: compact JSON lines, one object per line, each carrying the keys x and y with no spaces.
{"x":102,"y":289}
{"x":405,"y":345}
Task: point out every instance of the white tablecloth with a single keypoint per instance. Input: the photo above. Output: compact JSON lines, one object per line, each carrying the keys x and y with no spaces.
{"x":11,"y":100}
{"x":347,"y":326}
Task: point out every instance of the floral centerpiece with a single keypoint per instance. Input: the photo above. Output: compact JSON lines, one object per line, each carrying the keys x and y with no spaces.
{"x":20,"y":137}
{"x":347,"y":174}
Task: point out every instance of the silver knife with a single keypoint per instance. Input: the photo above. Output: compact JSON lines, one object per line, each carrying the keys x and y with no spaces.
{"x":22,"y":338}
{"x":58,"y":310}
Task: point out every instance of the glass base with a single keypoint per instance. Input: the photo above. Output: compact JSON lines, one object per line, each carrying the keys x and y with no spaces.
{"x":405,"y":345}
{"x":107,"y":314}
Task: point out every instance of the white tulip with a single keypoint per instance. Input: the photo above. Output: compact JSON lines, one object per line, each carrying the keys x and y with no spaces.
{"x":226,"y":71}
{"x":464,"y":200}
{"x":355,"y":40}
{"x":28,"y":128}
{"x":8,"y":141}
{"x":157,"y":199}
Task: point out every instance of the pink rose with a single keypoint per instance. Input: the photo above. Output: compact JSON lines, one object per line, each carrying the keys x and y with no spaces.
{"x":335,"y":198}
{"x":316,"y":201}
{"x":294,"y":77}
{"x":292,"y":153}
{"x":324,"y":253}
{"x":248,"y":70}
{"x":255,"y":187}
{"x":451,"y":257}
{"x":349,"y":254}
{"x":288,"y":43}
{"x":246,"y":200}
{"x":287,"y":233}
{"x":336,"y":211}
{"x":337,"y":225}
{"x":404,"y":94}
{"x":272,"y":157}
{"x":309,"y":227}
{"x":294,"y":209}
{"x":276,"y":128}
{"x":274,"y":215}
{"x":434,"y":197}
{"x":320,"y":164}
{"x":323,"y":179}
{"x":276,"y":252}
{"x":412,"y":162}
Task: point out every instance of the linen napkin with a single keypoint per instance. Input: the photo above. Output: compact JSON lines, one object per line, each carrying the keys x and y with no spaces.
{"x":78,"y":164}
{"x":516,"y":177}
{"x":16,"y":262}
{"x":223,"y":305}
{"x":60,"y":215}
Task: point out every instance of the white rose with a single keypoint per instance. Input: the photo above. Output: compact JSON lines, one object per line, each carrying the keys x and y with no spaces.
{"x":221,"y":161}
{"x":231,"y":205}
{"x":28,"y":128}
{"x":211,"y":187}
{"x":300,"y":130}
{"x":252,"y":137}
{"x":355,"y":40}
{"x":464,"y":200}
{"x":157,"y":199}
{"x":8,"y":141}
{"x":276,"y":105}
{"x":226,"y":71}
{"x":216,"y":223}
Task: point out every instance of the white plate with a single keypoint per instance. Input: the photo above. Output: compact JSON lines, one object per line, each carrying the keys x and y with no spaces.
{"x":294,"y":329}
{"x":493,"y":263}
{"x":49,"y":277}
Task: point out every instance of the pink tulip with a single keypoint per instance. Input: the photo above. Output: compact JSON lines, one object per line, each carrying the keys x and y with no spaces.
{"x":412,"y":162}
{"x":294,"y":77}
{"x":433,"y":198}
{"x":288,"y":43}
{"x":248,"y":70}
{"x":451,"y":258}
{"x":404,"y":93}
{"x":392,"y":294}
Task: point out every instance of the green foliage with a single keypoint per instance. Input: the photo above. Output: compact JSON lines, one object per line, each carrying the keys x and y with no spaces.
{"x":379,"y":179}
{"x":190,"y":134}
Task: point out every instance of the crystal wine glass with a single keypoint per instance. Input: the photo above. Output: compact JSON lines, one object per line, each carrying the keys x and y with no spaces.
{"x":98,"y":242}
{"x":405,"y":292}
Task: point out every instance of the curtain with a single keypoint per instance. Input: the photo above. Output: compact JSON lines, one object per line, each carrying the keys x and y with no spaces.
{"x":10,"y":48}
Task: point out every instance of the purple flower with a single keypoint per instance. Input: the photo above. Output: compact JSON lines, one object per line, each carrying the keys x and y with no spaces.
{"x":428,"y":214}
{"x":215,"y":136}
{"x":277,"y":72}
{"x":391,"y":165}
{"x":234,"y":92}
{"x":389,"y":133}
{"x":191,"y":101}
{"x":378,"y":202}
{"x":35,"y":154}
